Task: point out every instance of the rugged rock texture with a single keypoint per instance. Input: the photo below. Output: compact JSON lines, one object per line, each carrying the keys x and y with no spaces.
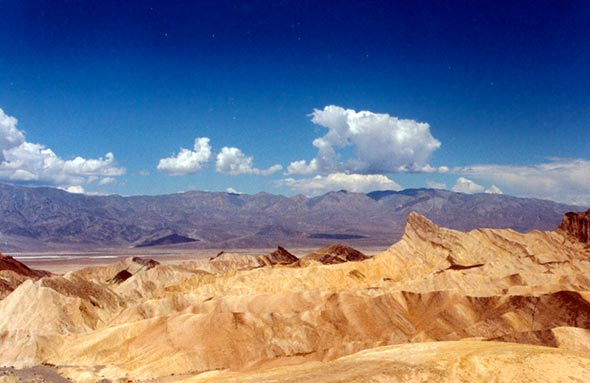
{"x":336,"y":253}
{"x":230,"y":318}
{"x":278,"y":257}
{"x":44,"y":218}
{"x":145,"y":262}
{"x":121,"y":276}
{"x":9,"y":263}
{"x":13,"y":273}
{"x":577,"y":226}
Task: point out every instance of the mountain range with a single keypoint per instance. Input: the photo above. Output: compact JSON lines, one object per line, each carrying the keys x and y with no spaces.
{"x":49,"y":219}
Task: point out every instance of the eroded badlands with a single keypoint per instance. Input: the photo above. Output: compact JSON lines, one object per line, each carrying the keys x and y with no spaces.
{"x":439,"y":305}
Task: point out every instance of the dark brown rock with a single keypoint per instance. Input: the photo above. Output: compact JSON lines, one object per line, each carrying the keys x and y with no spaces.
{"x":121,"y":276}
{"x":336,"y":253}
{"x":9,"y":263}
{"x":147,"y":262}
{"x":576,"y":225}
{"x":278,"y":257}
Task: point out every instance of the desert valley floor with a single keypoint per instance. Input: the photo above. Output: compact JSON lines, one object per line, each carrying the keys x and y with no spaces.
{"x":438,"y":306}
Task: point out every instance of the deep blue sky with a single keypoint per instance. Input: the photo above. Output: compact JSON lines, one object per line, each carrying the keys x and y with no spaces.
{"x":501,"y":83}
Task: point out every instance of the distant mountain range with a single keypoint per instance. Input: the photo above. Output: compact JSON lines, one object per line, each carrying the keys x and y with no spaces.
{"x":51,"y":219}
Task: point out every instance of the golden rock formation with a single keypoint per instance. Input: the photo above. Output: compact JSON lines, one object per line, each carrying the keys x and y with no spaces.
{"x":233,"y":318}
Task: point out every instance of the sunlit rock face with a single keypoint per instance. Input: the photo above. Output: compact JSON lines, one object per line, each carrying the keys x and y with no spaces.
{"x":433,"y":306}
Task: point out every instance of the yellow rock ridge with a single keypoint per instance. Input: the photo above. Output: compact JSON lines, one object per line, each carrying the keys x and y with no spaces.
{"x":231,"y":318}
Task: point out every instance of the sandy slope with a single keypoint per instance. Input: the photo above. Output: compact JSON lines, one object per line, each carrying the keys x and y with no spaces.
{"x":231,"y":314}
{"x":451,"y":362}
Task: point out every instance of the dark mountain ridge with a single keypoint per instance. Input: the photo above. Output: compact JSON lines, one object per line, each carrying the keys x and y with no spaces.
{"x":46,"y":218}
{"x":171,"y":239}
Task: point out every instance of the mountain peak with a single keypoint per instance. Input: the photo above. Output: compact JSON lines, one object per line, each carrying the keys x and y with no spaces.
{"x":417,"y":224}
{"x":280,"y":256}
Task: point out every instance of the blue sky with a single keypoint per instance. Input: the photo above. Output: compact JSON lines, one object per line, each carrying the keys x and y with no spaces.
{"x":296,"y":97}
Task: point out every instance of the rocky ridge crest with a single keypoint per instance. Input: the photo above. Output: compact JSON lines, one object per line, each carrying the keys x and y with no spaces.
{"x":432,"y":288}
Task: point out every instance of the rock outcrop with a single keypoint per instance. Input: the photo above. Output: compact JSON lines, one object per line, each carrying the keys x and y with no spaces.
{"x":13,"y":273}
{"x":145,"y":263}
{"x":336,"y":253}
{"x":121,"y":276}
{"x":278,"y":257}
{"x":9,"y":263}
{"x":392,"y":317}
{"x":576,"y":226}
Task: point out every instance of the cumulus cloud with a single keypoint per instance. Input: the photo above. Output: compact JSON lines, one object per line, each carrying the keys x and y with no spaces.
{"x":493,"y":190}
{"x":74,"y":189}
{"x":360,"y":183}
{"x":380,"y":144}
{"x":232,"y":191}
{"x":465,"y":185}
{"x":234,"y":162}
{"x":23,"y":161}
{"x":187,"y":161}
{"x":10,"y":136}
{"x":302,"y":167}
{"x":558,"y":179}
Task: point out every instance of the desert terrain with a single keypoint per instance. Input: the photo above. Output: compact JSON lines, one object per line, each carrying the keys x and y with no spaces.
{"x":38,"y":221}
{"x":439,"y":305}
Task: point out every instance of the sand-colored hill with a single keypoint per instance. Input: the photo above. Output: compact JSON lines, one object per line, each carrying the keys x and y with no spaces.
{"x":441,"y":362}
{"x":235,"y":313}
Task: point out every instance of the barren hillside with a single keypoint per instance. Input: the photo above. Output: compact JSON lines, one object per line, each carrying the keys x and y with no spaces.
{"x":48,"y":219}
{"x":425,"y":309}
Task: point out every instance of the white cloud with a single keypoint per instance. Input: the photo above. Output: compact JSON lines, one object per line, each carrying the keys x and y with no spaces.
{"x":107,"y":180}
{"x":234,"y":162}
{"x":380,"y":144}
{"x":465,"y":185}
{"x":74,"y":189}
{"x":562,"y":180}
{"x":361,"y":183}
{"x":232,"y":191}
{"x":24,"y":161}
{"x":436,"y":185}
{"x":302,"y":167}
{"x":187,"y":161}
{"x":93,"y":166}
{"x":493,"y":190}
{"x":10,"y":136}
